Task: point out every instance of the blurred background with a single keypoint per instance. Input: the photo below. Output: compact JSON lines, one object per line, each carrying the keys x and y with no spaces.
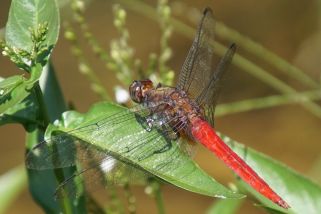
{"x":288,"y":133}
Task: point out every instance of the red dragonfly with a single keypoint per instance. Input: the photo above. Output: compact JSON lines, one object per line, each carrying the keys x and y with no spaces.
{"x":187,"y":109}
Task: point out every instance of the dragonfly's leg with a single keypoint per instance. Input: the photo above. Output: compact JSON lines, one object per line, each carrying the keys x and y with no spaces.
{"x":176,"y":133}
{"x":146,"y":122}
{"x":150,"y":123}
{"x":169,"y":132}
{"x":159,"y":85}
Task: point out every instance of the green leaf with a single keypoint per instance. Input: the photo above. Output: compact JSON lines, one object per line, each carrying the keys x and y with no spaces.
{"x":24,"y":112}
{"x":116,"y":131}
{"x":303,"y":195}
{"x":27,"y":15}
{"x":12,"y":91}
{"x":15,"y":89}
{"x":225,"y":206}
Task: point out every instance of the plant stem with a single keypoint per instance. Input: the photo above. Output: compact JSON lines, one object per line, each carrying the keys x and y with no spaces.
{"x":131,"y":200}
{"x":44,"y":117}
{"x":115,"y":205}
{"x":84,"y":66}
{"x":43,"y":114}
{"x":258,"y":50}
{"x":158,"y":197}
{"x":265,"y":102}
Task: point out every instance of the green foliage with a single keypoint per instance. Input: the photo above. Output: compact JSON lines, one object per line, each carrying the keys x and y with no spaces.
{"x":31,"y":33}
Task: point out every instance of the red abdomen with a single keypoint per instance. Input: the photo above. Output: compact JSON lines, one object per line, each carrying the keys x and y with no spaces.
{"x":205,"y":134}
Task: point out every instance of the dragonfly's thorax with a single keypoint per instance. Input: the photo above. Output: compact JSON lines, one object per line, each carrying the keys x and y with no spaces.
{"x":172,"y":106}
{"x":168,"y":106}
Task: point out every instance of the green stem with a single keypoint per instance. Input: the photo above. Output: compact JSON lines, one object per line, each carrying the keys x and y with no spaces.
{"x":265,"y":102}
{"x":84,"y":66}
{"x":115,"y":205}
{"x":44,"y":117}
{"x":259,"y":51}
{"x":131,"y":200}
{"x":42,"y":106}
{"x":158,"y":197}
{"x":274,"y":82}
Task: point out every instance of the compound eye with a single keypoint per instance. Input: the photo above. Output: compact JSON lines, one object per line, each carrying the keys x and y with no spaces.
{"x":135,"y":91}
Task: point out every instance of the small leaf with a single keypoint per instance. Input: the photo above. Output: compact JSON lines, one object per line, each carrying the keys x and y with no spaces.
{"x":12,"y":91}
{"x":303,"y":195}
{"x":16,"y":88}
{"x":26,"y":15}
{"x":24,"y":112}
{"x":116,"y":131}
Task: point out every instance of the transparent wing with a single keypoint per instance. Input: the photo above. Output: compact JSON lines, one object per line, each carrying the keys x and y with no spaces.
{"x":98,"y":171}
{"x":196,"y":70}
{"x":209,"y":95}
{"x":61,"y":151}
{"x":102,"y":167}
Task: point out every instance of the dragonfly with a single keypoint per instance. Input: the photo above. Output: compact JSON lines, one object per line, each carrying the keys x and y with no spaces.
{"x":186,"y":110}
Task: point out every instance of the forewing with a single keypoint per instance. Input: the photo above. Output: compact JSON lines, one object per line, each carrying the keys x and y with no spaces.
{"x":196,"y":70}
{"x":96,"y":167}
{"x":60,"y":150}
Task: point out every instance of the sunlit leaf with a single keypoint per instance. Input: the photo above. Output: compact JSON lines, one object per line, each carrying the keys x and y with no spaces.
{"x":23,"y":112}
{"x":117,"y":132}
{"x":27,"y":15}
{"x":12,"y":91}
{"x":16,"y":88}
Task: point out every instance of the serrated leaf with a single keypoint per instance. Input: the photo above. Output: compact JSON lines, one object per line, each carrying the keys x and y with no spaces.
{"x":26,"y":15}
{"x":117,"y":132}
{"x":303,"y":195}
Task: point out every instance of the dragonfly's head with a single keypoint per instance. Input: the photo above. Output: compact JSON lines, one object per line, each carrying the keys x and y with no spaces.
{"x":138,"y":89}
